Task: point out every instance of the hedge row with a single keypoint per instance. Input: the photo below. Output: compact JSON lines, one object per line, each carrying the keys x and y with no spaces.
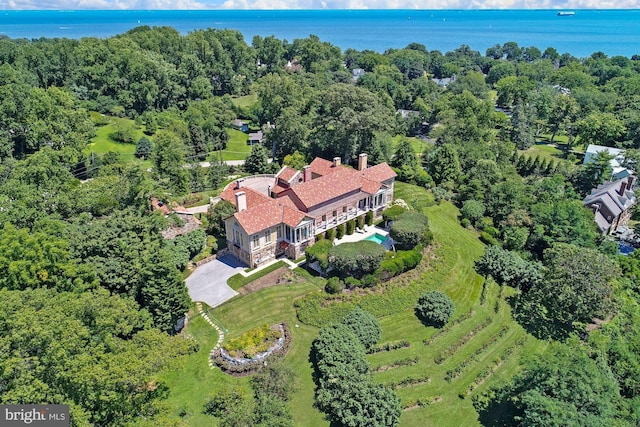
{"x":318,"y":309}
{"x":407,"y":361}
{"x":458,"y":370}
{"x":237,"y":281}
{"x":409,"y":382}
{"x":444,"y":355}
{"x":389,"y":346}
{"x":493,"y":366}
{"x":468,"y":315}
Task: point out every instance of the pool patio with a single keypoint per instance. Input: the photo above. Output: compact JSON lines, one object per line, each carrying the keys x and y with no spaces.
{"x":367,"y":232}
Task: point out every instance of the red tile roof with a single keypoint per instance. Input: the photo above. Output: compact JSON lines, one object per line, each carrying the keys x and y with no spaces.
{"x":267,"y":215}
{"x":287,"y":173}
{"x":320,"y":166}
{"x":328,"y":187}
{"x":369,"y":186}
{"x":253,"y":197}
{"x":379,"y":173}
{"x":160,"y":206}
{"x":260,"y":217}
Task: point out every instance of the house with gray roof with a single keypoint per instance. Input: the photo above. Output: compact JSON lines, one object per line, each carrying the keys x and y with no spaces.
{"x":612,"y":203}
{"x":617,"y":170}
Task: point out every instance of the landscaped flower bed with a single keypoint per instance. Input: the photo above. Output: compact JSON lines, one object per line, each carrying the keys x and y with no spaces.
{"x":248,"y":353}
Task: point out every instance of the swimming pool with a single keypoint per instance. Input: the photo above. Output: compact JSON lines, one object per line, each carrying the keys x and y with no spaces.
{"x":378,"y":238}
{"x":625,"y":249}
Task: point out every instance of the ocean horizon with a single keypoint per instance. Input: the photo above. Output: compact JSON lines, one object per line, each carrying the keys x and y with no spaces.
{"x":612,"y":31}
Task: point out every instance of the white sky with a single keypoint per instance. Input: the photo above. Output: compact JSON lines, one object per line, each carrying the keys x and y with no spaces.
{"x":318,"y":4}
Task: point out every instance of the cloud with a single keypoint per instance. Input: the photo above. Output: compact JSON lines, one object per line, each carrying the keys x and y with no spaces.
{"x":316,"y":4}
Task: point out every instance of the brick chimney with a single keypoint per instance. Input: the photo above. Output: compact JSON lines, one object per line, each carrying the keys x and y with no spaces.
{"x":336,"y":161}
{"x":362,"y":161}
{"x":241,"y":201}
{"x":306,"y":173}
{"x":623,"y":186}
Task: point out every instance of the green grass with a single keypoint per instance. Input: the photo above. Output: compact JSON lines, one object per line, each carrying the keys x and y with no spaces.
{"x":417,"y":144}
{"x":245,"y":101}
{"x":452,"y":272}
{"x":416,"y":197}
{"x":193,"y":381}
{"x":238,"y":280}
{"x":237,"y":147}
{"x":102,"y":142}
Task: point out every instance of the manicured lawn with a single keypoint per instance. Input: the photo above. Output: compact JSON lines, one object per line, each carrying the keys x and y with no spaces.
{"x":102,"y":142}
{"x":478,"y":335}
{"x":245,"y":101}
{"x":193,"y":381}
{"x":237,"y":147}
{"x":417,"y":144}
{"x":416,"y":197}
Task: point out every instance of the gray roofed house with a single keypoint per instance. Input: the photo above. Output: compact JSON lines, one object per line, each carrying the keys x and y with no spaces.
{"x":612,"y":203}
{"x":240,"y":125}
{"x":617,"y":170}
{"x":256,"y":137}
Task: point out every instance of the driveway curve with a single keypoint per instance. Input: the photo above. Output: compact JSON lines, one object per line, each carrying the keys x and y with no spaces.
{"x":208,"y":283}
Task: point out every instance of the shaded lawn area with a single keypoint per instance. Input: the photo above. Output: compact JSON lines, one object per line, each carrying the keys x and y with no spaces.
{"x":102,"y":142}
{"x":417,"y":144}
{"x":245,"y":101}
{"x":237,"y":147}
{"x":193,"y":381}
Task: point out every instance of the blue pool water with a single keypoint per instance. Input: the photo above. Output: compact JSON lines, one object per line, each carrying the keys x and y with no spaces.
{"x":625,"y":249}
{"x":378,"y":238}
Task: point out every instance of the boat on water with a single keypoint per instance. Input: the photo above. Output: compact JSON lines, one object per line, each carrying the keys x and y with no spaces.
{"x":562,"y":13}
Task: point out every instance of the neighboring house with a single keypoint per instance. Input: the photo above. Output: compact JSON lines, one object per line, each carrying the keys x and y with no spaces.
{"x":304,"y":204}
{"x":445,"y":81}
{"x":188,"y":220}
{"x":256,"y":137}
{"x":618,"y":171}
{"x":612,"y":203}
{"x":357,"y":73}
{"x":240,"y":125}
{"x":405,"y":114}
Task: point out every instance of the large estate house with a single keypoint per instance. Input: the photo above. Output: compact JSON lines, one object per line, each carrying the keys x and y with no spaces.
{"x":612,"y":204}
{"x":301,"y":205}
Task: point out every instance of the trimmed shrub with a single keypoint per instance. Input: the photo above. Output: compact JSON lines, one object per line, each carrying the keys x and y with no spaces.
{"x":364,"y":325}
{"x":488,"y":239}
{"x":356,"y":259}
{"x":320,"y":252}
{"x":319,"y":237}
{"x":340,"y":231}
{"x":409,"y":229}
{"x":399,"y":263}
{"x":434,"y":308}
{"x":392,"y":213}
{"x":360,"y":222}
{"x":368,"y":218}
{"x":351,"y":282}
{"x":333,"y":286}
{"x":426,"y":240}
{"x":351,"y":227}
{"x":330,"y":234}
{"x":465,"y":222}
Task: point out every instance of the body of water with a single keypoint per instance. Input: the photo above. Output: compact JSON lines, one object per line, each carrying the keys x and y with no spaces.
{"x":614,"y":32}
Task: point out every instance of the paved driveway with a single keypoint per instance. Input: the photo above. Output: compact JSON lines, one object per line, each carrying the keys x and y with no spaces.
{"x":208,"y":283}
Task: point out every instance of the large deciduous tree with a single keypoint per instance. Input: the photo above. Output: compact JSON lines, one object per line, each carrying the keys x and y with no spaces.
{"x":347,"y":120}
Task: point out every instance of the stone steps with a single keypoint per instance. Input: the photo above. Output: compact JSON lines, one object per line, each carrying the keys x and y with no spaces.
{"x":217,"y":328}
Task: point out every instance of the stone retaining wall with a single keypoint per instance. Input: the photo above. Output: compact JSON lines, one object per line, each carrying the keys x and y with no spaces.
{"x":239,"y":366}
